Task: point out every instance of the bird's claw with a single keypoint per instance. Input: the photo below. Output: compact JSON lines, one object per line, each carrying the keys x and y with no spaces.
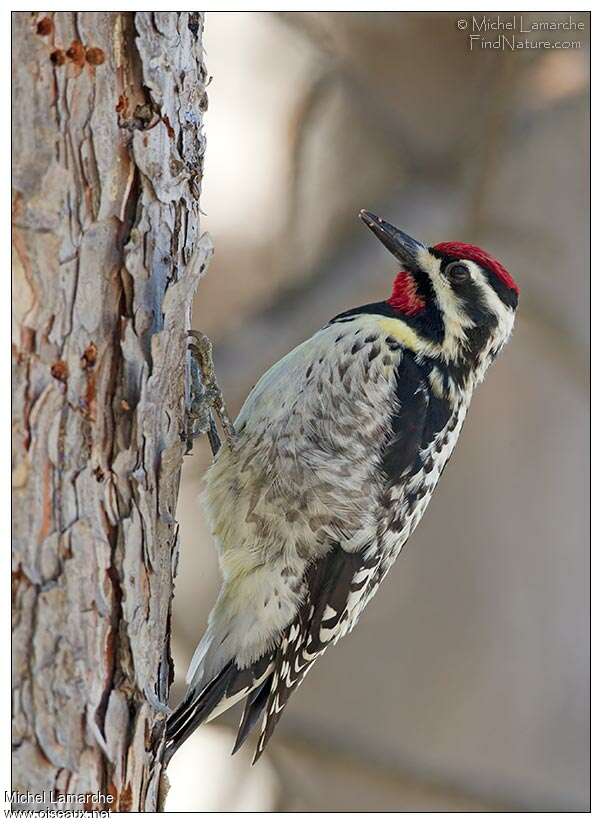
{"x":205,"y":396}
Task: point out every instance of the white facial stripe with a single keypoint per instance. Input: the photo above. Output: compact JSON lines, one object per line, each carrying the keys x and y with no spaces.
{"x":457,"y":320}
{"x":503,"y":313}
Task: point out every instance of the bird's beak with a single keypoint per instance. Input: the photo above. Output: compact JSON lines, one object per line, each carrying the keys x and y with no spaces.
{"x":405,"y":248}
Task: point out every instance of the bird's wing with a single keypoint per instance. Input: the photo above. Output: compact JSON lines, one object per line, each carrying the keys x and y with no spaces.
{"x":333,"y":581}
{"x":418,"y":415}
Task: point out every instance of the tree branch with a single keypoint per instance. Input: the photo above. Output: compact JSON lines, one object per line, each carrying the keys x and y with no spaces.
{"x":108,"y":252}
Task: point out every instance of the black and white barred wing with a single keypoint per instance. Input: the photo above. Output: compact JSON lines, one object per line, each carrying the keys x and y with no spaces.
{"x":336,"y":584}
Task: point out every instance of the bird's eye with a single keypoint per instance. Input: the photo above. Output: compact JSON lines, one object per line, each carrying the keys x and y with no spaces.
{"x":457,"y":273}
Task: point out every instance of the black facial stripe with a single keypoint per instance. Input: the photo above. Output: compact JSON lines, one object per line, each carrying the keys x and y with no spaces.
{"x":476,"y":340}
{"x":474,"y":303}
{"x":429,"y":322}
{"x":507,"y":295}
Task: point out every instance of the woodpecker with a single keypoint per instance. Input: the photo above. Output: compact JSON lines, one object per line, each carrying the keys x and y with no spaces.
{"x":329,"y":468}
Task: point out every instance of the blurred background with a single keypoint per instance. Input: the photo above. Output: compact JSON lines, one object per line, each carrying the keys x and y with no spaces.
{"x":465,"y":684}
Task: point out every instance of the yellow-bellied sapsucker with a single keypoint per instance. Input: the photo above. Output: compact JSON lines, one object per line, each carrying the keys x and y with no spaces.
{"x":329,"y":468}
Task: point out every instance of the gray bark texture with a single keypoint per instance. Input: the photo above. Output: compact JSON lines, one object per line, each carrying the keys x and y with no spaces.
{"x":107,"y":164}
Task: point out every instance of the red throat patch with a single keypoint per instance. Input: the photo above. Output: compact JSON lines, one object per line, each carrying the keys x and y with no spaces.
{"x":404,"y":297}
{"x":465,"y":251}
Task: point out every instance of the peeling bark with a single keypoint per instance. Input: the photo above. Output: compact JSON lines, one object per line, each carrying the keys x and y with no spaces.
{"x":108,"y":250}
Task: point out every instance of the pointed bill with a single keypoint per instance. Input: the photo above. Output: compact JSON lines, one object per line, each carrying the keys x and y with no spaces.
{"x":402,"y":246}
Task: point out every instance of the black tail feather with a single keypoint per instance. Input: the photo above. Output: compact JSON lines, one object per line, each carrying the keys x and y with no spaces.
{"x":255,"y":705}
{"x":198,"y":706}
{"x":195,"y":709}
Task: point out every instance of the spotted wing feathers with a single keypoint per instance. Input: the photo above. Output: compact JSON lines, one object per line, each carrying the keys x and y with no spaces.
{"x":326,"y":614}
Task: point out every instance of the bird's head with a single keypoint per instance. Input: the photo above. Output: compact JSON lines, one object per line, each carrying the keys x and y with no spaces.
{"x":455,"y":295}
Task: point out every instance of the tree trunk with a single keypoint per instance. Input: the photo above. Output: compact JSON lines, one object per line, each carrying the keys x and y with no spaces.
{"x":108,"y":158}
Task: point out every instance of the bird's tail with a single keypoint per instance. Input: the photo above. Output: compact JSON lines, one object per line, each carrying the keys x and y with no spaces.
{"x":228,"y":687}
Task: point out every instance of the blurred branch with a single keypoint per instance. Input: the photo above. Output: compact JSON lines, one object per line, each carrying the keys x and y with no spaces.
{"x":496,"y":125}
{"x":333,"y":69}
{"x":303,"y":122}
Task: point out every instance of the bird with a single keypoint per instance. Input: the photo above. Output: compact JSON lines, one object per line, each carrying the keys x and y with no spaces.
{"x":328,"y":469}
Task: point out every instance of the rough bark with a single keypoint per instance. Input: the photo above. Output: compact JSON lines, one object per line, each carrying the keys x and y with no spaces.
{"x":108,"y":250}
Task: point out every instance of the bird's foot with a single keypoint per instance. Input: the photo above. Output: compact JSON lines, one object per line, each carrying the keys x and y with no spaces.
{"x":205,"y":395}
